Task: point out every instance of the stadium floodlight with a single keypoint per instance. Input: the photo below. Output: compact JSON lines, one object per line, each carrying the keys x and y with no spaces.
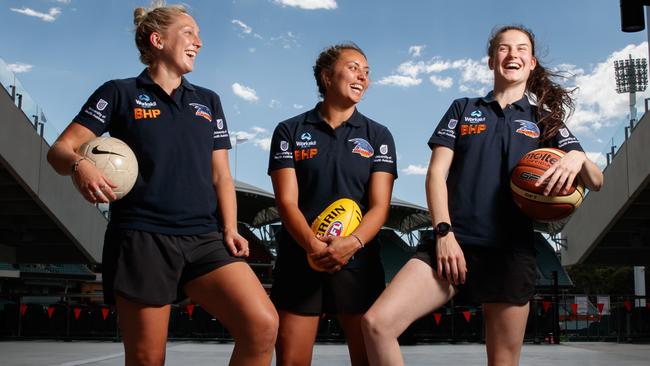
{"x":631,"y":77}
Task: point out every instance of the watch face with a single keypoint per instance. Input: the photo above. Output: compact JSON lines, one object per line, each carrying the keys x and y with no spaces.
{"x":443,"y":228}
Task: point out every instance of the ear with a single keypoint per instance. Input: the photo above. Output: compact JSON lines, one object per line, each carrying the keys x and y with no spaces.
{"x":156,"y":40}
{"x":326,"y":77}
{"x":490,"y":63}
{"x":533,"y":63}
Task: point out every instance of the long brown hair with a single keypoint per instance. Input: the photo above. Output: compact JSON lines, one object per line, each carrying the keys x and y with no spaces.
{"x":554,"y":103}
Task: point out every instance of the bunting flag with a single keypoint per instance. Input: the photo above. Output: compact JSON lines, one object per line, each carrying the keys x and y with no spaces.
{"x":628,"y":305}
{"x":437,"y":317}
{"x":105,"y":313}
{"x":600,"y":308}
{"x":50,"y":311}
{"x":190,"y":309}
{"x":23,"y":309}
{"x":467,"y":315}
{"x":574,"y":308}
{"x":546,"y":305}
{"x":77,"y":312}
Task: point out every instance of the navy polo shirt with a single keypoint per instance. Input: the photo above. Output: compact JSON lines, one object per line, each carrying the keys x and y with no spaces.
{"x":332,"y":163}
{"x":488,"y":142}
{"x":173,"y":138}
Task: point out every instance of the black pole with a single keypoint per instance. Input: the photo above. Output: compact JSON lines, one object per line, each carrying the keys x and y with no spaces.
{"x":556,"y":308}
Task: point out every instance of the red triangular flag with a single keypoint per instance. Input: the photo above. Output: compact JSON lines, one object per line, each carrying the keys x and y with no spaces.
{"x":105,"y":313}
{"x":600,"y":308}
{"x":50,"y":311}
{"x":77,"y":312}
{"x":190,"y":309}
{"x":628,"y":305}
{"x":437,"y":317}
{"x":574,"y":308}
{"x":23,"y":309}
{"x":546,"y":305}
{"x":467,"y":315}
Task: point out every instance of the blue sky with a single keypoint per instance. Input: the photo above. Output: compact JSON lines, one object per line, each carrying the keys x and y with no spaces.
{"x":258,"y":55}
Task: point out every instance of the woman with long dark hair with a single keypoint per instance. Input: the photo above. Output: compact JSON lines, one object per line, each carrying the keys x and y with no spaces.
{"x":484,"y":246}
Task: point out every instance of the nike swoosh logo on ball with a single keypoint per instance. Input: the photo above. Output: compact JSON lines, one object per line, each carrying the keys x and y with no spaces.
{"x":96,"y":151}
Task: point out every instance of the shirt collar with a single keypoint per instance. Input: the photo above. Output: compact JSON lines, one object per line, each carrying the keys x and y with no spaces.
{"x":524,"y":103}
{"x":144,"y":79}
{"x":314,"y":117}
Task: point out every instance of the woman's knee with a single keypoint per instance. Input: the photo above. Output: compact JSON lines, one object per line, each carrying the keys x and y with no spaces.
{"x":261,"y":330}
{"x":375,"y":324}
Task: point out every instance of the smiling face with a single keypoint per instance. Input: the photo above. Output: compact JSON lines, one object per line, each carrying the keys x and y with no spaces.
{"x":178,"y":45}
{"x":347,"y":80}
{"x":512,"y":58}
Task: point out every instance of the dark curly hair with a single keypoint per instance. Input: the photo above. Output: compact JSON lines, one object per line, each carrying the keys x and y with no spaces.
{"x":554,"y":102}
{"x":326,"y":60}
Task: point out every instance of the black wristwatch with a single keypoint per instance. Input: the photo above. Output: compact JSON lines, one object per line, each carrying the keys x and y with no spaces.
{"x":442,"y":229}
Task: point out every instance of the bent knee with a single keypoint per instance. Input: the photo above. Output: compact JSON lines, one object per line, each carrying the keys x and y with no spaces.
{"x":373,"y":324}
{"x":262,"y":331}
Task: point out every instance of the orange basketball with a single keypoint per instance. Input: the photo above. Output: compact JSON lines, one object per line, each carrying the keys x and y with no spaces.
{"x":531,"y":199}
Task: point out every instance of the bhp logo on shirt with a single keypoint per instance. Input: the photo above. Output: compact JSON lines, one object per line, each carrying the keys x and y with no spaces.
{"x":474,"y":129}
{"x":144,"y":113}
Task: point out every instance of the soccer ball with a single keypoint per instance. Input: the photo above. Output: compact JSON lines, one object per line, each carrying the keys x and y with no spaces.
{"x":115,"y":159}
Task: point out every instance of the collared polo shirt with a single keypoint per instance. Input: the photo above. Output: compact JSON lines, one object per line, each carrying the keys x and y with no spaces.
{"x":173,"y":138}
{"x":488,"y":142}
{"x":332,"y":163}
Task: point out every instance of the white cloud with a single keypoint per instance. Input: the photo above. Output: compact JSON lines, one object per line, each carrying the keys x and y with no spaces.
{"x":19,"y":67}
{"x":441,"y":83}
{"x":473,"y":74}
{"x":274,"y":104}
{"x":244,"y":92}
{"x":63,"y":1}
{"x":298,"y":106}
{"x":258,"y":136}
{"x":50,"y":16}
{"x":244,"y":28}
{"x":286,"y":40}
{"x":598,"y":104}
{"x":263,"y":143}
{"x":308,"y":4}
{"x":416,"y":50}
{"x":399,"y":80}
{"x":415,"y":170}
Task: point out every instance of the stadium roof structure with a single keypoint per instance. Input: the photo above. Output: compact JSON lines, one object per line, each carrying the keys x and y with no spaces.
{"x":256,"y":207}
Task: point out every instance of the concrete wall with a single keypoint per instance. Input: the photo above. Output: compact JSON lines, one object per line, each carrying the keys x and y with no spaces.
{"x":626,"y":174}
{"x":24,"y":152}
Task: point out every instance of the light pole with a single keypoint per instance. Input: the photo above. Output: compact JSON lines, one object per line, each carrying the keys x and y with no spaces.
{"x":631,"y":77}
{"x":238,"y":141}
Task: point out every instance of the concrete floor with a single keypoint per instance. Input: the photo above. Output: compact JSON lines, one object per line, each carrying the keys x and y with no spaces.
{"x":32,"y":353}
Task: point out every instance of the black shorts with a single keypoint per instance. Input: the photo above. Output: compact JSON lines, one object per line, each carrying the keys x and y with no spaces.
{"x":152,"y":268}
{"x":493,"y":274}
{"x":299,"y":289}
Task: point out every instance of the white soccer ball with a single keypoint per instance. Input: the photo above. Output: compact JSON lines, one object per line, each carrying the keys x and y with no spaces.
{"x":115,"y":159}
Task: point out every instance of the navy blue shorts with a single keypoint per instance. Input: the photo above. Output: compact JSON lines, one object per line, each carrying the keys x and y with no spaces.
{"x":151,"y":268}
{"x":494,"y":275}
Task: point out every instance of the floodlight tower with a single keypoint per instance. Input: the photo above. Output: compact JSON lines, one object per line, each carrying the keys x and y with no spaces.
{"x":631,"y":77}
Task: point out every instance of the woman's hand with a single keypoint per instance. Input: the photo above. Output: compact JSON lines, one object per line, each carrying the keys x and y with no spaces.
{"x":337,"y":252}
{"x":92,"y":183}
{"x":236,"y":244}
{"x":561,"y":175}
{"x":451,"y":260}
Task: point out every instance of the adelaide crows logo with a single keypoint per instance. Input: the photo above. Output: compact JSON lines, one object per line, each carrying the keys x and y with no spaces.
{"x":527,"y":128}
{"x":362,"y":147}
{"x":202,"y":111}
